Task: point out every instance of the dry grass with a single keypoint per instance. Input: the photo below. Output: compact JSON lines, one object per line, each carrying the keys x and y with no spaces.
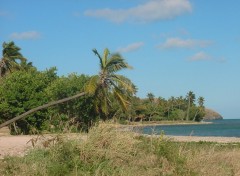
{"x":214,"y":159}
{"x":109,"y":151}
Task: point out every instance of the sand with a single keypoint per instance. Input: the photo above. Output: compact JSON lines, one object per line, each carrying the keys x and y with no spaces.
{"x":14,"y":145}
{"x":206,"y":139}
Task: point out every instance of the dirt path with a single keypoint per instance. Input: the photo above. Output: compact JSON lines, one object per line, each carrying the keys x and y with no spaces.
{"x":19,"y":145}
{"x":14,"y":145}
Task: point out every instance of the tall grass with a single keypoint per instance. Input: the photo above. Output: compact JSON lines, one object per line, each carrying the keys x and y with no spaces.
{"x":213,"y":159}
{"x":106,"y":151}
{"x":110,"y":151}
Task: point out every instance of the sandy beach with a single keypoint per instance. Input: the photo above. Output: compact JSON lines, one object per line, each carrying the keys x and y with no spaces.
{"x":205,"y":139}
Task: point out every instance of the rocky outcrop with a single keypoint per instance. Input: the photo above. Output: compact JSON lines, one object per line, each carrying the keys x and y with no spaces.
{"x":212,"y":115}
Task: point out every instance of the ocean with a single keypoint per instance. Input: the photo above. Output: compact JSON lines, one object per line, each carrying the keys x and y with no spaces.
{"x":220,"y":128}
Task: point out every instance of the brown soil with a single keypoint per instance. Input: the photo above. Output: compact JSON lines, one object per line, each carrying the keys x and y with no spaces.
{"x":14,"y":145}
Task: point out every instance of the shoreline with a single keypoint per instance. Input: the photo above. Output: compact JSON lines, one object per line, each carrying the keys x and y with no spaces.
{"x":163,"y":123}
{"x":204,"y":139}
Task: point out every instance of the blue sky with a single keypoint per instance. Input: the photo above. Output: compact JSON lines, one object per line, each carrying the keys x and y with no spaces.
{"x":174,"y":45}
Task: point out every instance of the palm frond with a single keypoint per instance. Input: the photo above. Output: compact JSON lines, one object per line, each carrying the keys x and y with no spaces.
{"x":12,"y":58}
{"x":105,"y":57}
{"x":121,"y":98}
{"x":124,"y":83}
{"x":100,"y":58}
{"x":92,"y":85}
{"x":116,"y":63}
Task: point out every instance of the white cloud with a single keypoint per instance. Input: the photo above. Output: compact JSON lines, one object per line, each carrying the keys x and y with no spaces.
{"x":184,"y":43}
{"x":25,"y":35}
{"x":130,"y":47}
{"x":200,"y":56}
{"x":153,"y":10}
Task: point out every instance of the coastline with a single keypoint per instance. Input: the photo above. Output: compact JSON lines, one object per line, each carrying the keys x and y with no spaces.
{"x":161,"y":123}
{"x":204,"y":139}
{"x":217,"y":139}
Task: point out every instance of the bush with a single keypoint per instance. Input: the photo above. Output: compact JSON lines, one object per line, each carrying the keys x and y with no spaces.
{"x":22,"y":91}
{"x":78,"y":112}
{"x":177,"y":114}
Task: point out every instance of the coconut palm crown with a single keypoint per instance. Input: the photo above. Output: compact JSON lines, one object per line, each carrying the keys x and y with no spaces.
{"x":11,"y":58}
{"x":107,"y":83}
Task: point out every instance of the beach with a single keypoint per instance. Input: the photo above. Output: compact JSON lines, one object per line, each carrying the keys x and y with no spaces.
{"x":204,"y":139}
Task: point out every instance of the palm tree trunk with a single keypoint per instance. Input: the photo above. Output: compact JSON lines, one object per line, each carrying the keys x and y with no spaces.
{"x":195,"y":115}
{"x":39,"y":108}
{"x":188,"y":109}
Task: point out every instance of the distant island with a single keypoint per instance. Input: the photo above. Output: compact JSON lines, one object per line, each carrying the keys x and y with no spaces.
{"x":212,"y":115}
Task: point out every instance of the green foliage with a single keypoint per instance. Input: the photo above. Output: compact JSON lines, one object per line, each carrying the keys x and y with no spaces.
{"x":174,"y":108}
{"x":22,"y":91}
{"x":177,"y":114}
{"x":79,"y":112}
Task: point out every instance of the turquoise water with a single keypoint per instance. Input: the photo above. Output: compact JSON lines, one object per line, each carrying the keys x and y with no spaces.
{"x":224,"y":128}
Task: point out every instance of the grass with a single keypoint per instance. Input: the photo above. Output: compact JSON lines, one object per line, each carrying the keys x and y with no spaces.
{"x":108,"y":151}
{"x":213,"y":159}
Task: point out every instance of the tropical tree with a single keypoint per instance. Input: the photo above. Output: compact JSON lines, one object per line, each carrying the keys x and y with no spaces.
{"x":100,"y":86}
{"x":200,"y":112}
{"x":108,"y":83}
{"x":201,"y":101}
{"x":151,"y":106}
{"x":191,"y":99}
{"x":11,"y":58}
{"x":21,"y":91}
{"x":150,"y":97}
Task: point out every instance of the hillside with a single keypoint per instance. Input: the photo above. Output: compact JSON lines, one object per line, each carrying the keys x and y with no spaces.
{"x":212,"y":115}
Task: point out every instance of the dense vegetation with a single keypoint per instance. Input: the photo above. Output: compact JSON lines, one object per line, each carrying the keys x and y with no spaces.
{"x":106,"y":96}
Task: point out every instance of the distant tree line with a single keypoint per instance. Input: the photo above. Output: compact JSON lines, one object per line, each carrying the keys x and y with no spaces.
{"x":105,"y":96}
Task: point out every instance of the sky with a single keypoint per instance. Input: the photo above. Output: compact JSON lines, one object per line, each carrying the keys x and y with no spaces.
{"x":174,"y":46}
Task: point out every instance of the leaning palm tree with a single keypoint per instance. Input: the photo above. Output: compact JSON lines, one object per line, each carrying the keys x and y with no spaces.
{"x":107,"y":83}
{"x":11,"y":58}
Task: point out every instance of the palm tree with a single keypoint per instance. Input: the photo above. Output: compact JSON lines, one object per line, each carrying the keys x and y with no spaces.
{"x":107,"y":83}
{"x":151,"y":97}
{"x":11,"y":58}
{"x":100,"y":86}
{"x":191,"y":99}
{"x":151,"y":105}
{"x":201,"y":101}
{"x":200,"y":108}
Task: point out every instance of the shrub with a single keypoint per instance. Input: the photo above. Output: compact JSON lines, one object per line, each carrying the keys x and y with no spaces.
{"x":22,"y":91}
{"x":79,"y":112}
